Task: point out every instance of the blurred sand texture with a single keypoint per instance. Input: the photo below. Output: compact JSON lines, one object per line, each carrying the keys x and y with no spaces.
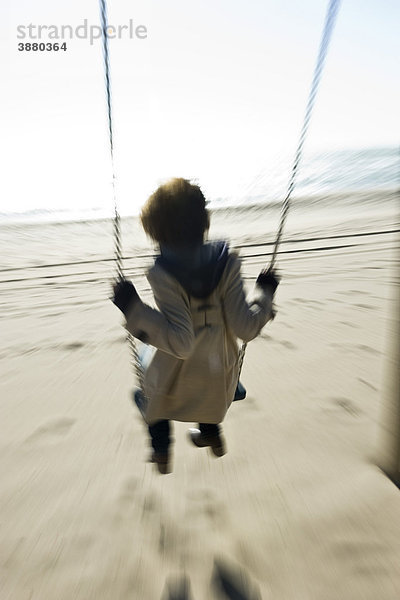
{"x":297,"y":509}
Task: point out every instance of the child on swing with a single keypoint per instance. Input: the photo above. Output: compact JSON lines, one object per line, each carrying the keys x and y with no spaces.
{"x":202,"y":310}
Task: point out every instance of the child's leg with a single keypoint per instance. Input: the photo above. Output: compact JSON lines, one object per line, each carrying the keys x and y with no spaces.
{"x":160,"y":436}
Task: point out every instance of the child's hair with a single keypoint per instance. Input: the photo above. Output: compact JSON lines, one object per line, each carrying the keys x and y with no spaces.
{"x":176,"y":214}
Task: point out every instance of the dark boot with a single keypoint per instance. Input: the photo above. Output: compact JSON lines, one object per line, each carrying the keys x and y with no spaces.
{"x":162,"y":462}
{"x":215,"y":442}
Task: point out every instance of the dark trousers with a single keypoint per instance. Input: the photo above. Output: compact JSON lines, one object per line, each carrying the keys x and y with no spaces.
{"x":161,"y":430}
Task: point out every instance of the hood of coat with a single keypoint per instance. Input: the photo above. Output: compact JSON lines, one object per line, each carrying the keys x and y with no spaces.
{"x":197,"y":268}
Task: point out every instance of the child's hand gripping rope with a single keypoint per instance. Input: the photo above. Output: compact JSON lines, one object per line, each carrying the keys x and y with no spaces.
{"x":125,"y":294}
{"x":268,"y":279}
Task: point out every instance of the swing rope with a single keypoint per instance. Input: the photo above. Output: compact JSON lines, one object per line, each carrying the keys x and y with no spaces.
{"x":117,"y":219}
{"x":326,"y":37}
{"x":137,"y":365}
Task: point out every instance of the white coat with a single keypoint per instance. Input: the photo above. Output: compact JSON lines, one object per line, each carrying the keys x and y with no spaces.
{"x":192,"y":375}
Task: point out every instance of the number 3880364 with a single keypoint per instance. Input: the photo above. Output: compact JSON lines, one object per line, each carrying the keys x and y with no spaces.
{"x":41,"y":47}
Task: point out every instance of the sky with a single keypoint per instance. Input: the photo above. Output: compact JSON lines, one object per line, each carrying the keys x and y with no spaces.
{"x":213,"y":91}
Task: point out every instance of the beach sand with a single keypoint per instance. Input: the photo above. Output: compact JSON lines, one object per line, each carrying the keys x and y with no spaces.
{"x":297,"y":509}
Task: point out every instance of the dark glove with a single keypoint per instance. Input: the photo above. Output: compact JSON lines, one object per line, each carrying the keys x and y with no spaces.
{"x":125,"y":295}
{"x":268,"y":279}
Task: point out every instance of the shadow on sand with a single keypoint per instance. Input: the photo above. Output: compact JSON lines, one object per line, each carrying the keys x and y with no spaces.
{"x":229,"y":583}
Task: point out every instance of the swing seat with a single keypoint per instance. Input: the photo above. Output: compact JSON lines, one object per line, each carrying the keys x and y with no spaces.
{"x":240,"y":392}
{"x":140,"y":401}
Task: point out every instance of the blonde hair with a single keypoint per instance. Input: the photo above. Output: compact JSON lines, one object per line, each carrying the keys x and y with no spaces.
{"x":176,"y":213}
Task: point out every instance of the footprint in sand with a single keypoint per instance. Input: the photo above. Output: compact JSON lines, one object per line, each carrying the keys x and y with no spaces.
{"x":367,"y":384}
{"x":284,"y":343}
{"x":52,"y":431}
{"x":348,"y":324}
{"x":352,"y":292}
{"x":367,"y":306}
{"x":72,"y":346}
{"x":307,"y":301}
{"x":347,"y":405}
{"x":265,"y":336}
{"x":367,"y":349}
{"x":351,"y":347}
{"x":287,"y":344}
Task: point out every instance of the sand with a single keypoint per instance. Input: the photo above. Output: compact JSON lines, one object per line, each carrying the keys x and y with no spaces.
{"x":297,"y":509}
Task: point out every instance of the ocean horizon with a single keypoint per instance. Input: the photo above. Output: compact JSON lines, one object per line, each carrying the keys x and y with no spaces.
{"x":321,"y":175}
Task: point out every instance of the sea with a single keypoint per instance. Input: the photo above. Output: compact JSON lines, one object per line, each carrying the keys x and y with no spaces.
{"x":333,"y":190}
{"x":320,"y":174}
